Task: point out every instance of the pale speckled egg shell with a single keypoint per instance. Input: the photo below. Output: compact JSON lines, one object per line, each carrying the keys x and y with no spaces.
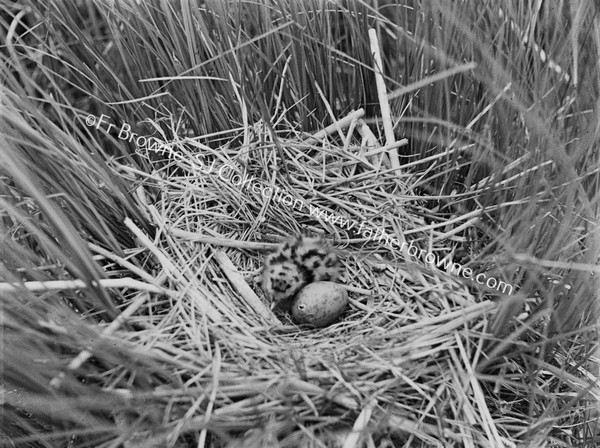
{"x":319,"y":304}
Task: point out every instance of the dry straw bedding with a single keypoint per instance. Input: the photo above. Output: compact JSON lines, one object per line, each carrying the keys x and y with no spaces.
{"x":200,"y":357}
{"x":196,"y":355}
{"x":403,"y":352}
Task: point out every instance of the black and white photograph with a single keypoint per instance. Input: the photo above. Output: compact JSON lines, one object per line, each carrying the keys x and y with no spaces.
{"x":299,"y":224}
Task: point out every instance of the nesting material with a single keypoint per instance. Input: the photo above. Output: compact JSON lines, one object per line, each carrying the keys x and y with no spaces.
{"x":402,"y":339}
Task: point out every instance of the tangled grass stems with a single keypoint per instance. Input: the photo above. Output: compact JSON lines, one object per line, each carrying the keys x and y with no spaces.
{"x":500,"y":172}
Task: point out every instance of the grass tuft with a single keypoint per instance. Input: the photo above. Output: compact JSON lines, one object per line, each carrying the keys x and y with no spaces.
{"x":137,"y":142}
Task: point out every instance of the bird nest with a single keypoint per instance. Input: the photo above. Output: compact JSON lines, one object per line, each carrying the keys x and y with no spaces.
{"x":396,"y":368}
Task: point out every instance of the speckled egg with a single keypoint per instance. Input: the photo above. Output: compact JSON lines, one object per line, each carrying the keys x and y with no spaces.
{"x":319,"y":304}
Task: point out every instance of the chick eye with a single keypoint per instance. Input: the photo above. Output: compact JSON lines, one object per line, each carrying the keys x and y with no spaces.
{"x":301,"y":306}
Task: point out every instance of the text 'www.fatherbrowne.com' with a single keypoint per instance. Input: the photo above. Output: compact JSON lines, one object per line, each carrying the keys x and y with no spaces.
{"x":378,"y":234}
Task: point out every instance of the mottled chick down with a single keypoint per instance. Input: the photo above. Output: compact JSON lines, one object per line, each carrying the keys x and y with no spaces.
{"x":298,"y":262}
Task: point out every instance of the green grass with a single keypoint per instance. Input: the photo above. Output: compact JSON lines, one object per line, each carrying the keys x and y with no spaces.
{"x":176,"y":352}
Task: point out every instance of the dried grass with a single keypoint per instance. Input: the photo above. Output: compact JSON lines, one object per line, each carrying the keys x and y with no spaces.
{"x":131,"y":315}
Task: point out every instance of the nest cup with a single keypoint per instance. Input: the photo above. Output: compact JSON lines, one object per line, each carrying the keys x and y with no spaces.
{"x":406,"y":336}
